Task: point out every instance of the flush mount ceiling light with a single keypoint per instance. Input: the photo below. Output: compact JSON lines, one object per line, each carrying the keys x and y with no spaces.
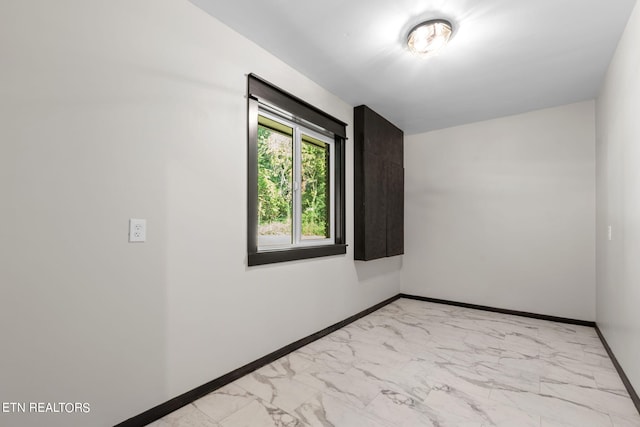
{"x":429,"y":37}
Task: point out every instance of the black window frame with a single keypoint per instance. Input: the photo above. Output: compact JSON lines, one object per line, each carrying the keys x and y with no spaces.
{"x":260,"y":91}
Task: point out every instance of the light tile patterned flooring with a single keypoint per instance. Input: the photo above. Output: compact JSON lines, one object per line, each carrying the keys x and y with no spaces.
{"x":415,"y":363}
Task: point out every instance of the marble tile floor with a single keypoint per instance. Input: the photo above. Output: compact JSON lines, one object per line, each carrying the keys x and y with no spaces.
{"x":415,"y":363}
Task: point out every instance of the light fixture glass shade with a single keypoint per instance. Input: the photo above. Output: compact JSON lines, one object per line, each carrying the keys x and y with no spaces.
{"x":429,"y":37}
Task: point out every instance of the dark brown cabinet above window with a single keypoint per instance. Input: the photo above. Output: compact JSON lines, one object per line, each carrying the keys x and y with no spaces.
{"x":379,"y":186}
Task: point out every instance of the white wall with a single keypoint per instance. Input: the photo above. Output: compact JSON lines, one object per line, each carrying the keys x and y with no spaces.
{"x":502,"y":213}
{"x":618,"y":201}
{"x":118,"y":109}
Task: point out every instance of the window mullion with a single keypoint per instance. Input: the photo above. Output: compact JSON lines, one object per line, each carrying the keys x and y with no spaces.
{"x":297,"y":193}
{"x":332,"y":193}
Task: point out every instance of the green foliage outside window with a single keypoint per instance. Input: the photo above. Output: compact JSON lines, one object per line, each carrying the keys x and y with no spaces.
{"x":275,"y":185}
{"x":275,"y":182}
{"x":314,"y":190}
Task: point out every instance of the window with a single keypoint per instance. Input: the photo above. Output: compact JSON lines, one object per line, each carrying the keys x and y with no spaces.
{"x":295,"y":179}
{"x":294,"y":184}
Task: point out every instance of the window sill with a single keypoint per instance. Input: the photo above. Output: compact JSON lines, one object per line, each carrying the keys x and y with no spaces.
{"x":272,"y":257}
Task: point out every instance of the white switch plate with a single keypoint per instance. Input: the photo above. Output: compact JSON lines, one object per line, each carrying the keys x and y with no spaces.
{"x":610,"y":233}
{"x":137,"y":230}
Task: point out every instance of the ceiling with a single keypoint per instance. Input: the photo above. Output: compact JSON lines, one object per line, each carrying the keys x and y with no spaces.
{"x":506,"y":56}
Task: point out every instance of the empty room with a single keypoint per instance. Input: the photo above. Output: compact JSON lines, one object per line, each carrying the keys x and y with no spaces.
{"x":320,"y":214}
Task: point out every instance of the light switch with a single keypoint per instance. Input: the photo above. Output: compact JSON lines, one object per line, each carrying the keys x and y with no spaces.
{"x":609,"y":233}
{"x":137,"y":230}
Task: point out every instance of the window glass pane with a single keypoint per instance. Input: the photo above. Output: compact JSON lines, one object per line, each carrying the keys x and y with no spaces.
{"x":315,"y":189}
{"x":275,"y":183}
